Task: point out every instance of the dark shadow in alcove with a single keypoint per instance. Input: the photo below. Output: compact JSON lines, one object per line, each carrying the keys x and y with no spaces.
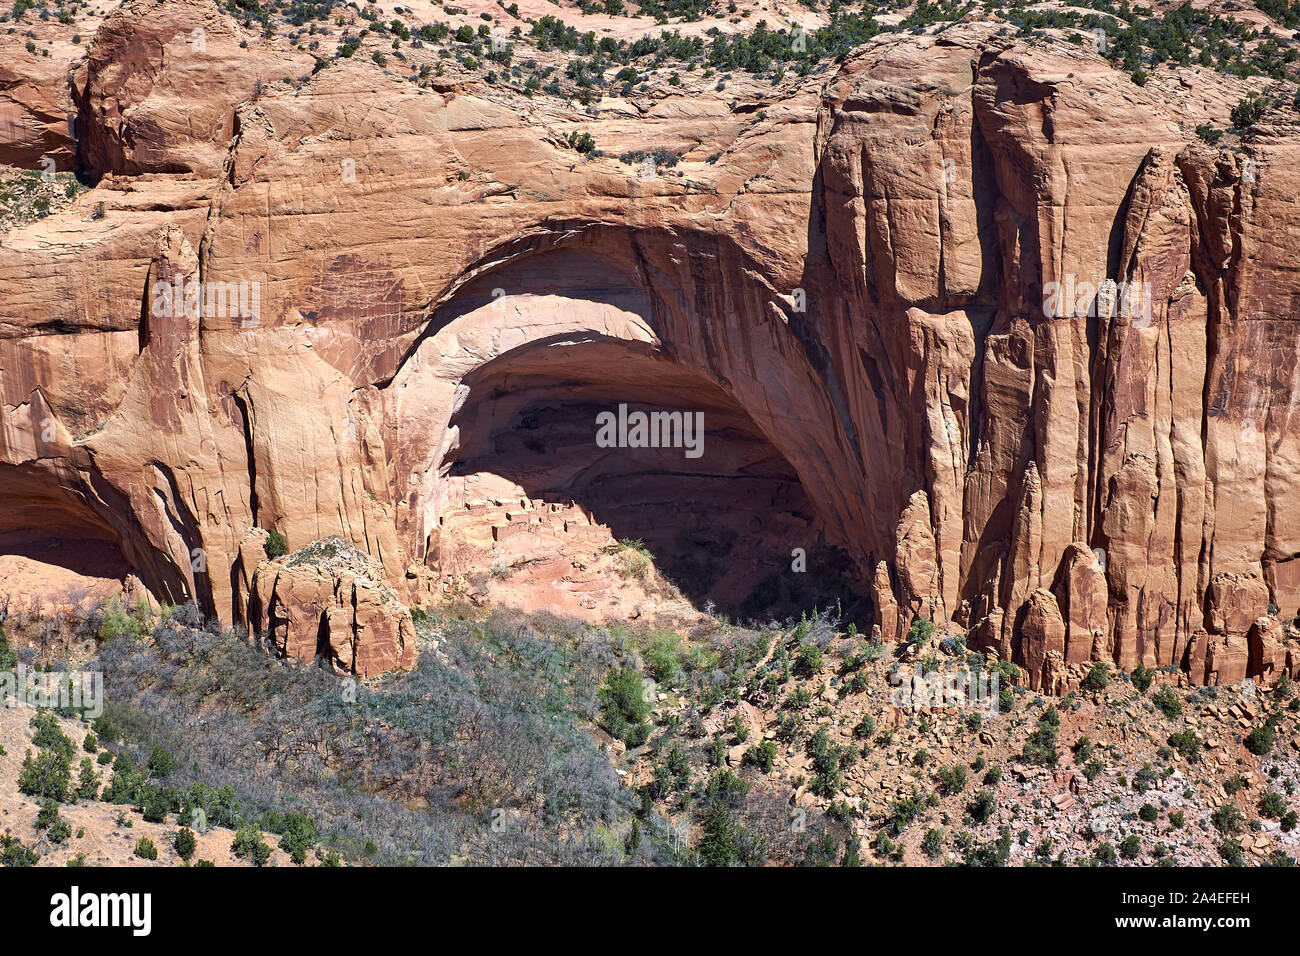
{"x":721,"y":526}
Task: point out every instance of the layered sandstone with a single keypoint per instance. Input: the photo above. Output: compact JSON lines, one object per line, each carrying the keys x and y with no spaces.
{"x":327,"y":602}
{"x":850,"y":282}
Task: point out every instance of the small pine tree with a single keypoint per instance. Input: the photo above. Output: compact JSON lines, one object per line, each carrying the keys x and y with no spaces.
{"x":633,"y":839}
{"x":8,"y":659}
{"x":88,"y":781}
{"x":47,"y":774}
{"x":718,"y":846}
{"x":1097,"y":679}
{"x":185,"y":843}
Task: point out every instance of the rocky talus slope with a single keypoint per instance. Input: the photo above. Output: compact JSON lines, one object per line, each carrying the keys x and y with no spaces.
{"x":870,"y":281}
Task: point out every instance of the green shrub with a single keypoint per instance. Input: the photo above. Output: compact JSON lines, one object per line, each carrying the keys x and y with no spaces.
{"x":725,"y":786}
{"x":1167,"y":703}
{"x":1208,"y":133}
{"x":87,"y":781}
{"x":1130,"y":847}
{"x":249,"y":845}
{"x":14,"y":854}
{"x":1145,"y":778}
{"x":921,"y":631}
{"x":1098,"y":678}
{"x":8,"y":659}
{"x":932,"y":843}
{"x":1272,"y":805}
{"x":185,"y":843}
{"x":808,"y":660}
{"x":56,"y":828}
{"x":1227,"y":819}
{"x":145,"y":849}
{"x":154,"y":802}
{"x":1083,"y":750}
{"x":1187,"y":744}
{"x":48,"y":774}
{"x":1142,"y":677}
{"x":1248,"y":111}
{"x":719,"y":845}
{"x":902,"y":812}
{"x":128,"y":781}
{"x":119,"y":623}
{"x":663,"y":656}
{"x":1232,"y":852}
{"x":1260,"y":740}
{"x":1040,"y":748}
{"x":297,"y":831}
{"x":582,"y":142}
{"x":982,"y":807}
{"x":951,"y":779}
{"x":827,"y":780}
{"x":276,"y":546}
{"x":625,"y":706}
{"x":48,"y":735}
{"x":105,"y":730}
{"x":762,"y":755}
{"x":161,"y":762}
{"x":865,"y":728}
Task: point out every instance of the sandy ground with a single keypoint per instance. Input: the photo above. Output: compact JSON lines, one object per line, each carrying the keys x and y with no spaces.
{"x":96,"y":830}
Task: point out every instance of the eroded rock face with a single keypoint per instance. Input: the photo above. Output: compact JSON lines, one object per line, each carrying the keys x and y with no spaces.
{"x":159,"y":89}
{"x":35,"y":115}
{"x":1043,"y":636}
{"x":874,"y":291}
{"x":1082,"y":596}
{"x":327,"y":603}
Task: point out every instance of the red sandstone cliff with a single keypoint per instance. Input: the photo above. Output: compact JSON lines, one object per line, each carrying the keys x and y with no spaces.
{"x":1069,"y":488}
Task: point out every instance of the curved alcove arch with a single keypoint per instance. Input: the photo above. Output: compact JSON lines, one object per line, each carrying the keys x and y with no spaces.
{"x":559,"y":332}
{"x":56,"y":550}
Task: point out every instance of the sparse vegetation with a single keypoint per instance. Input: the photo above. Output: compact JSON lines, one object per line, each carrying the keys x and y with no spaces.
{"x":1249,"y":111}
{"x":1167,"y":702}
{"x":1260,"y":740}
{"x":1098,"y":678}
